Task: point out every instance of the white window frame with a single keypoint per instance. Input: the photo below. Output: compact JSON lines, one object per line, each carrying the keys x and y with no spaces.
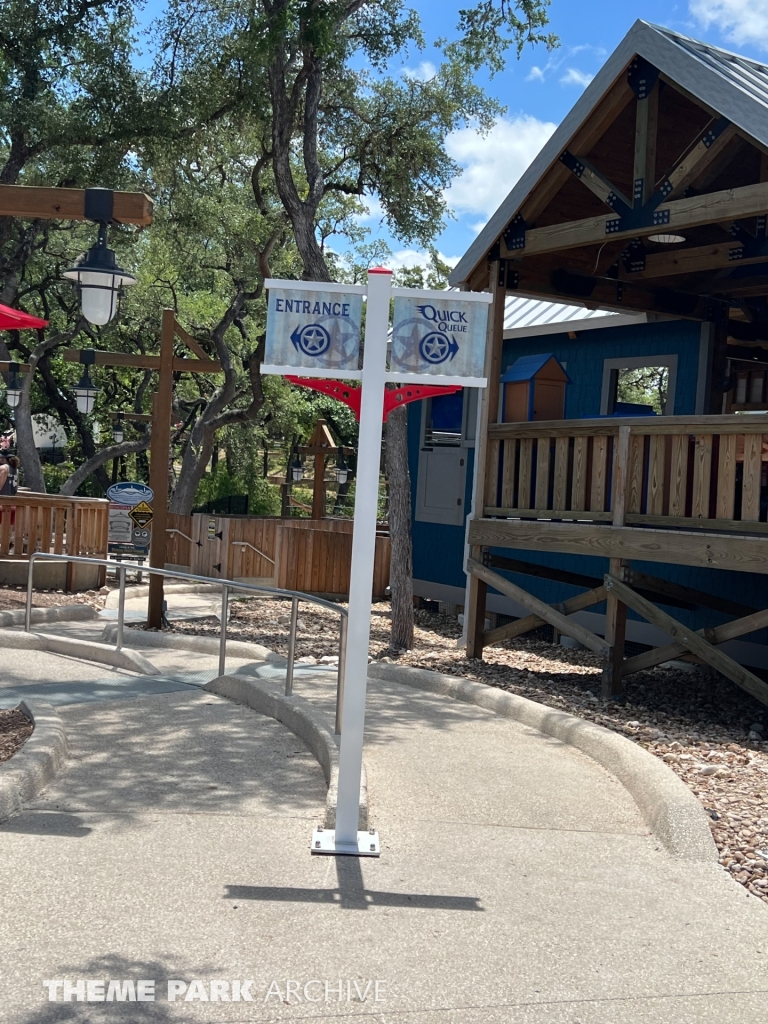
{"x":636,"y":363}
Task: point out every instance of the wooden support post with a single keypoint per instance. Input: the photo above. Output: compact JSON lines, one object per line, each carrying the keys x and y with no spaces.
{"x":615,"y":636}
{"x":717,"y":368}
{"x":158,"y":469}
{"x":318,"y":488}
{"x":474,"y":610}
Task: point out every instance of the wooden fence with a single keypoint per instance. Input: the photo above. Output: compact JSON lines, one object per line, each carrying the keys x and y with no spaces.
{"x":41,"y":522}
{"x":295,"y":554}
{"x":674,"y":471}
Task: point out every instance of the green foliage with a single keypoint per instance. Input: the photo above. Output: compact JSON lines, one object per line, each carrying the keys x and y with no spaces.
{"x":263,"y":497}
{"x":644,"y":385}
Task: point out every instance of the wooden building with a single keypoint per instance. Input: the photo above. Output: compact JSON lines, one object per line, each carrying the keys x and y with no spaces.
{"x":650,"y":199}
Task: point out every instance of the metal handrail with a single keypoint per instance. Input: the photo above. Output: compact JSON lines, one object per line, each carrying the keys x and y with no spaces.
{"x":245,"y":544}
{"x":226,"y":586}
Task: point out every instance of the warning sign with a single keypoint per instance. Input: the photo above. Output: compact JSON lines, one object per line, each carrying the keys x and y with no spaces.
{"x":141,"y":514}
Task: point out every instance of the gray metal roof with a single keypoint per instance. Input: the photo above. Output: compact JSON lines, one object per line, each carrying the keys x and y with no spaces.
{"x":521,"y":313}
{"x":734,"y":86}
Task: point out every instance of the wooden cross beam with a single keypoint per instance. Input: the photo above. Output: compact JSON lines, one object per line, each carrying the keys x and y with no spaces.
{"x":544,"y":611}
{"x":33,"y":202}
{"x":692,"y":642}
{"x":529,"y":622}
{"x":715,"y":635}
{"x":693,"y":211}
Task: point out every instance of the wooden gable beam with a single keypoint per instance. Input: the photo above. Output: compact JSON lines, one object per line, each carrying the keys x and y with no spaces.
{"x":596,"y":182}
{"x":694,"y":211}
{"x":713,"y":142}
{"x":582,"y":142}
{"x":646,"y":131}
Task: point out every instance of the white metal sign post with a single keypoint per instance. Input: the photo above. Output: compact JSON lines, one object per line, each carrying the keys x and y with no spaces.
{"x":438,"y":338}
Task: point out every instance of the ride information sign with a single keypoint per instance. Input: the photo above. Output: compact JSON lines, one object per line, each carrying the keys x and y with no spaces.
{"x":440,"y":336}
{"x":316,"y":328}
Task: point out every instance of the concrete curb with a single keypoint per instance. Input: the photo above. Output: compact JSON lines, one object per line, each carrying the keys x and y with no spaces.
{"x":200,"y":644}
{"x":303,"y":719}
{"x":669,"y":808}
{"x":134,"y":593}
{"x":84,"y":649}
{"x":34,"y":766}
{"x":56,"y":613}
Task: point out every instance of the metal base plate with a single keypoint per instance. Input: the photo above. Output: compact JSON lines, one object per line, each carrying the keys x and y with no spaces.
{"x":324,"y":842}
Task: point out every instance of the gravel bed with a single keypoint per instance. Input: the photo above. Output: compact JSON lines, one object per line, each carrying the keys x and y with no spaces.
{"x":15,"y":730}
{"x":711,"y":733}
{"x":12,"y":598}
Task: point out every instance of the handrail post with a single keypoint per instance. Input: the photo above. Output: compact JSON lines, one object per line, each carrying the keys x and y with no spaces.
{"x":292,"y":647}
{"x":223,"y":632}
{"x":342,"y":670}
{"x":121,"y":607}
{"x":28,"y":613}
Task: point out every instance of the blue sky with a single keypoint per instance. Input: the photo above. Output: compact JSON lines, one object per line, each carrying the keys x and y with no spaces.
{"x":541,"y":87}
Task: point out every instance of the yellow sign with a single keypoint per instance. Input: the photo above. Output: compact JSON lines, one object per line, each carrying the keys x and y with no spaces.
{"x":141,"y":514}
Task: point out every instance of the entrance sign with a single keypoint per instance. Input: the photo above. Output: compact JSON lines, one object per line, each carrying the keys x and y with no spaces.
{"x":439,"y":338}
{"x":441,"y":334}
{"x":314,"y":327}
{"x":129,"y":532}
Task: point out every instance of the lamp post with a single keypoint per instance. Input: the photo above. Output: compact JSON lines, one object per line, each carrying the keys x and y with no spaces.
{"x":96,"y":273}
{"x":85,"y":390}
{"x":166,"y":364}
{"x":297,"y":469}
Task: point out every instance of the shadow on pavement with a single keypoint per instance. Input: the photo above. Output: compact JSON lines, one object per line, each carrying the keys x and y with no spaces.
{"x":351,"y":893}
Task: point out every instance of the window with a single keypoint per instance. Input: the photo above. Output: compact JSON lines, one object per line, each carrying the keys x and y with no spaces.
{"x":450,"y":420}
{"x":639,"y":385}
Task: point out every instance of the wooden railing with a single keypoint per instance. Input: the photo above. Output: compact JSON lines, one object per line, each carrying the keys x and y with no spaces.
{"x":45,"y":522}
{"x":675,"y":471}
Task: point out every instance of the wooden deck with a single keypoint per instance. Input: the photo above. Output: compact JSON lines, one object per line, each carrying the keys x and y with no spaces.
{"x":674,"y":490}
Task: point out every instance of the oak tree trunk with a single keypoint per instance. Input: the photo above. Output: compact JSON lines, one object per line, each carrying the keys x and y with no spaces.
{"x":401,"y":569}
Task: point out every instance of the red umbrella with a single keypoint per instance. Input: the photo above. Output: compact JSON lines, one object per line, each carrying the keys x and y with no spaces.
{"x":15,"y":320}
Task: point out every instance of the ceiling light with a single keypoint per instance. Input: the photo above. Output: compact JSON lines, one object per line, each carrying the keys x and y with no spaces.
{"x":666,"y":239}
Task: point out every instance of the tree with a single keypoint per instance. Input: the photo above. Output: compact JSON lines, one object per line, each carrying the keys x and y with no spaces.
{"x":363,"y":130}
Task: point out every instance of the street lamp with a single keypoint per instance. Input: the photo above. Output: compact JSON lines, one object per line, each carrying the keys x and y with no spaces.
{"x":85,"y":390}
{"x":342,"y":470}
{"x":96,"y":273}
{"x":13,"y":387}
{"x":119,"y":430}
{"x":297,"y":469}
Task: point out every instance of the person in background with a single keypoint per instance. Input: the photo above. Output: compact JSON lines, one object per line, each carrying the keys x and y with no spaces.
{"x":11,"y":484}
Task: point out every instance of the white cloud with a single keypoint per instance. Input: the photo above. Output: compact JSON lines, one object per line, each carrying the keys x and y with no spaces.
{"x":535,"y":74}
{"x":575,"y":77}
{"x":741,"y":21}
{"x":493,"y":163}
{"x":422,"y":73}
{"x":413,"y":258}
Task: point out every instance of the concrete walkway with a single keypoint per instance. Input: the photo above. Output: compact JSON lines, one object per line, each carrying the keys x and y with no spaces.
{"x":517,"y":881}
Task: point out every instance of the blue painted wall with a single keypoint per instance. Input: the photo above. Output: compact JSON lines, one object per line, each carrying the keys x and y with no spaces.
{"x":438,"y":549}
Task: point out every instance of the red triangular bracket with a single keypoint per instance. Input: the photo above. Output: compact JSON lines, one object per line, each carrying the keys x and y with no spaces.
{"x":351,"y":395}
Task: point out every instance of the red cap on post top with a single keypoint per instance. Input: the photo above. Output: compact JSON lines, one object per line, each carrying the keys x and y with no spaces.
{"x":379,"y":270}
